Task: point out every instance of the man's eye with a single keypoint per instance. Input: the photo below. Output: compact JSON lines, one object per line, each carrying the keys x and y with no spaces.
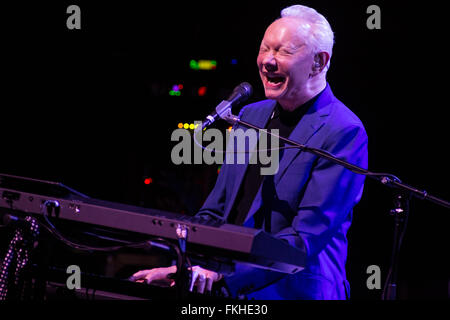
{"x":285,"y":51}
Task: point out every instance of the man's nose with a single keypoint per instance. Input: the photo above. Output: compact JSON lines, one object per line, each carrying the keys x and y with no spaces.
{"x":269,"y":62}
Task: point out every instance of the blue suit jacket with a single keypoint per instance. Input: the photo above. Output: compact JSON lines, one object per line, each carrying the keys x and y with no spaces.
{"x":308,"y":202}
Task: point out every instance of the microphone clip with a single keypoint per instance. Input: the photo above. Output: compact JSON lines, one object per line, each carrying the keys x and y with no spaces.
{"x":223,"y":110}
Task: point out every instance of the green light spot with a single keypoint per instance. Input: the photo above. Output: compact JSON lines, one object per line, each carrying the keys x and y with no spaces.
{"x":193,"y":65}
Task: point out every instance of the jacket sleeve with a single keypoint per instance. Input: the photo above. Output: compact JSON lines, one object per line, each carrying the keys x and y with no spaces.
{"x":215,"y":204}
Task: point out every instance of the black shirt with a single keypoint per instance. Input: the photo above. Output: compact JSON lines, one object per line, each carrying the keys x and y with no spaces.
{"x":285,"y":122}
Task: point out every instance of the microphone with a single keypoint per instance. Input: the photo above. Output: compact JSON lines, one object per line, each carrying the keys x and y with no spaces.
{"x":240,"y":94}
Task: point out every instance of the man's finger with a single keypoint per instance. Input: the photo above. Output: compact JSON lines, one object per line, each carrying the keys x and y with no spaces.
{"x":139,"y":275}
{"x":150,"y":277}
{"x":193,"y":279}
{"x":158,"y":274}
{"x":209,"y":284}
{"x":201,"y":282}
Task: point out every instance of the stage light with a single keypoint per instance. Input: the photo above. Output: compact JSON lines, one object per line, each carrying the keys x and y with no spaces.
{"x":187,"y":126}
{"x":176,"y":90}
{"x":148,"y":181}
{"x":203,"y":64}
{"x":207,"y":64}
{"x":193,"y":65}
{"x":202,"y":91}
{"x":174,"y":93}
{"x":234,"y":61}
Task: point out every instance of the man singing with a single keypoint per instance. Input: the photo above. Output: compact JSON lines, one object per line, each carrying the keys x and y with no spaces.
{"x":309,"y":201}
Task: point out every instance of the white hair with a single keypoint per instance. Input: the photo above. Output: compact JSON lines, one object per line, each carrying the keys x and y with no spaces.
{"x":317,"y":30}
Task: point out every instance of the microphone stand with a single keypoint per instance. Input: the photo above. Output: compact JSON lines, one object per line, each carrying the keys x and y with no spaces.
{"x":401,"y":201}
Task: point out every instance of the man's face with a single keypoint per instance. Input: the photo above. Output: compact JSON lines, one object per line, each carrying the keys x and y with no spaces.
{"x":284,"y":61}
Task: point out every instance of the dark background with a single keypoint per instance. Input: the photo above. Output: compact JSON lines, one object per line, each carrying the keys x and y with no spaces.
{"x":91,"y":108}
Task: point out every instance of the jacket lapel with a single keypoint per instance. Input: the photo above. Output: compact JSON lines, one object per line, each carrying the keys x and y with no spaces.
{"x":307,"y":127}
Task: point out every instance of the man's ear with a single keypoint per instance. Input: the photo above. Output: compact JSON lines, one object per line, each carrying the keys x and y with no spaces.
{"x":320,"y":62}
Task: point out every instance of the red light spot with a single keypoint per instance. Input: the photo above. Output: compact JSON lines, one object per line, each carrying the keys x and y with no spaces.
{"x":180,"y":87}
{"x":201,"y":91}
{"x":148,"y":180}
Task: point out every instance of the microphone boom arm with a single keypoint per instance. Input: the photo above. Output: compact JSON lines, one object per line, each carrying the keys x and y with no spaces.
{"x":385,"y":178}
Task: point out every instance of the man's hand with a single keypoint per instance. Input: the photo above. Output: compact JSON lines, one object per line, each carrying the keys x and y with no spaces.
{"x":158,"y":276}
{"x":202,"y":279}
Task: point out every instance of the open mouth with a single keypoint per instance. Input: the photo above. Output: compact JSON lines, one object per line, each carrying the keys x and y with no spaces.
{"x":275,"y":79}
